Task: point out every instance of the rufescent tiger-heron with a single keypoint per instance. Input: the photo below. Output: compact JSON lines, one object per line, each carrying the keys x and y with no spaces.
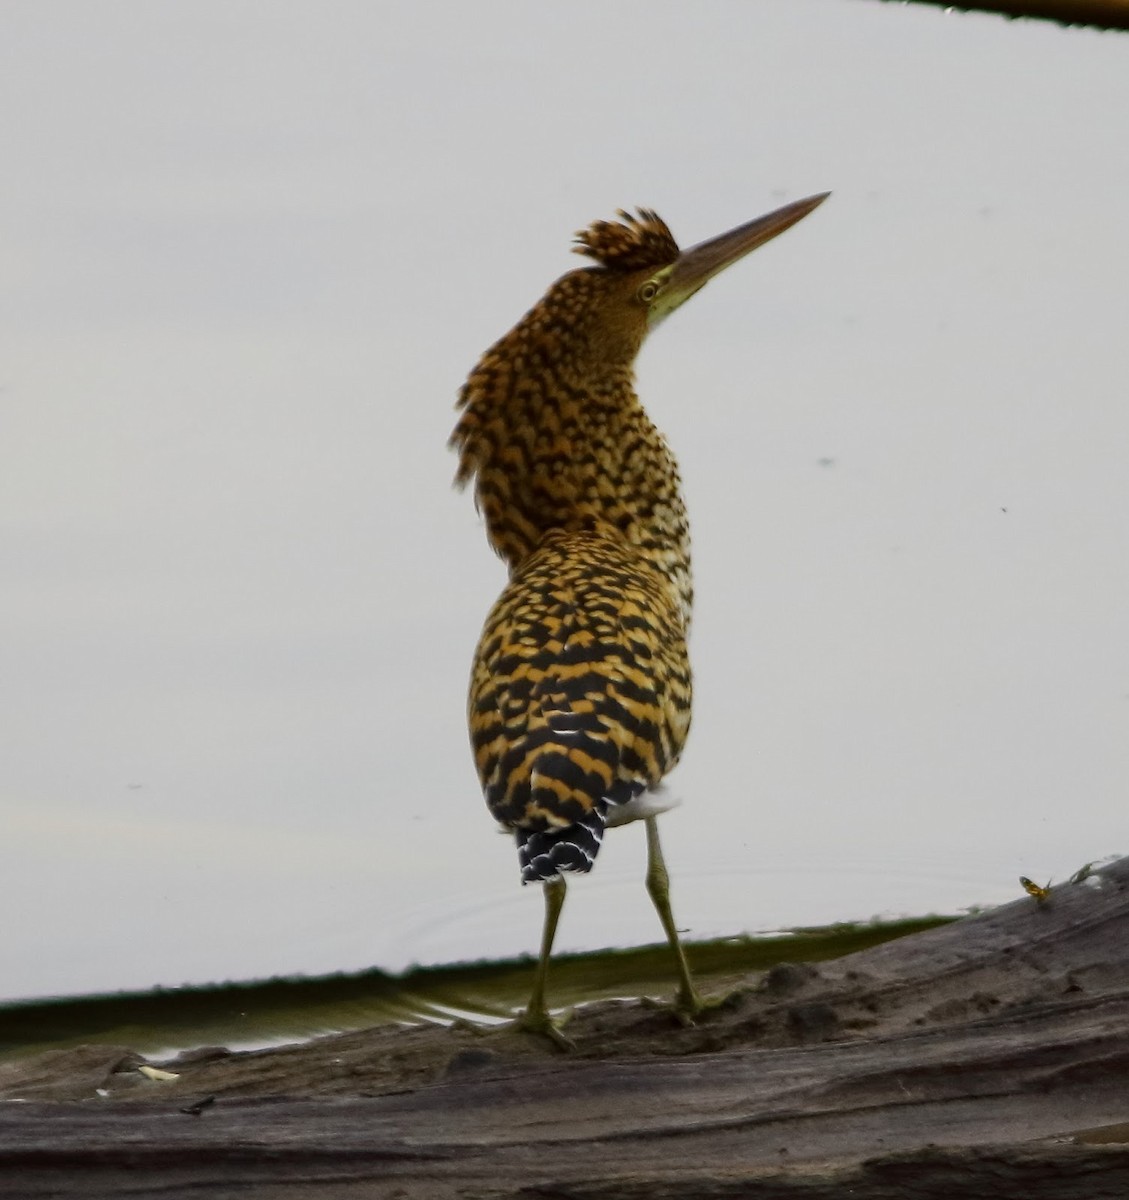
{"x":580,"y":693}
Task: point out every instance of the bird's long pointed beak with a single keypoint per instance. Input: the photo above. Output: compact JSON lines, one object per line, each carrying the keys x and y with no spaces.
{"x":698,"y":265}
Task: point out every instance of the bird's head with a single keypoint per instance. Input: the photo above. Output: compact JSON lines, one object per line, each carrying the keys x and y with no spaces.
{"x":642,"y":276}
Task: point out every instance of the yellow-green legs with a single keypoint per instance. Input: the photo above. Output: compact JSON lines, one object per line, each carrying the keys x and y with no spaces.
{"x":536,"y":1016}
{"x":688,"y":1003}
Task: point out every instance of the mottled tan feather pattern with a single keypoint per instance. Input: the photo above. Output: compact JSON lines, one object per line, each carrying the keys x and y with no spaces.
{"x":554,"y":437}
{"x":582,"y":657}
{"x":580,"y":696}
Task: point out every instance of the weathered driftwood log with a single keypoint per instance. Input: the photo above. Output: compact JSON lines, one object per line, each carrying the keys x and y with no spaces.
{"x":987,"y":1058}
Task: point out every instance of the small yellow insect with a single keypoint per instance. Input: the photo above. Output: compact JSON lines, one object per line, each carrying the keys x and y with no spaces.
{"x":1041,"y":894}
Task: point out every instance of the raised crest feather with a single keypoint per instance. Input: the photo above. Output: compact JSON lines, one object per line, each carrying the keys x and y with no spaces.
{"x":632,"y":243}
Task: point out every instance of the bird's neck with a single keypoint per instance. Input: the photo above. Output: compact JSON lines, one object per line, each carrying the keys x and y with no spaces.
{"x":570,"y":447}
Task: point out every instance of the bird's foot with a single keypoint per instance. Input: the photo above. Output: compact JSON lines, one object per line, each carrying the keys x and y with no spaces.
{"x":687,"y":1006}
{"x":539,"y":1022}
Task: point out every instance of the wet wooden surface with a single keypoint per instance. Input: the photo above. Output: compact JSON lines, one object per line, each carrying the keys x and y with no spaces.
{"x":986,"y":1058}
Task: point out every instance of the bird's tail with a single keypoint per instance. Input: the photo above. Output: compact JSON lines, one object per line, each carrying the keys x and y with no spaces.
{"x":544,"y":853}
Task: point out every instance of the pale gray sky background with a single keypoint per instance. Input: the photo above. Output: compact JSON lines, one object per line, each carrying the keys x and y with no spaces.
{"x":250,"y":251}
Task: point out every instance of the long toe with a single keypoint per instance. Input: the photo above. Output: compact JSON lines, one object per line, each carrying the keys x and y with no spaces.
{"x":539,"y":1022}
{"x":688,"y":1007}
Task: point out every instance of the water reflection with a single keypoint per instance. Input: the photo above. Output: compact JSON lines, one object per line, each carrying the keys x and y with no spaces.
{"x":610,"y":908}
{"x":254,"y":1015}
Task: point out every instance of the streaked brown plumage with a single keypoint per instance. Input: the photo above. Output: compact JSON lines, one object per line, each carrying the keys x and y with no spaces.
{"x":580,"y":693}
{"x":551,"y":429}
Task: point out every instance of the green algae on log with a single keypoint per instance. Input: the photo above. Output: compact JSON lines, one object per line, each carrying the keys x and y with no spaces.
{"x":274,"y":1010}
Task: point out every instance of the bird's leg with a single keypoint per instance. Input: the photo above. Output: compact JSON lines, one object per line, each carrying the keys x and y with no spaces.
{"x":536,"y":1017}
{"x":688,"y":1003}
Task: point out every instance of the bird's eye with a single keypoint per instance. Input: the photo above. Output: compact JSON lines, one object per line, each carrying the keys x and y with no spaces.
{"x":648,"y":291}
